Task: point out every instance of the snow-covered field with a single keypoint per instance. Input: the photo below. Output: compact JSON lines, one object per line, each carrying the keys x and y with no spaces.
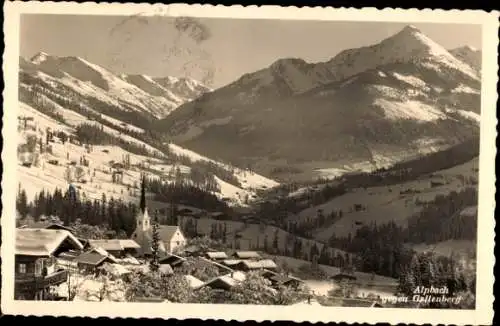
{"x":385,"y":204}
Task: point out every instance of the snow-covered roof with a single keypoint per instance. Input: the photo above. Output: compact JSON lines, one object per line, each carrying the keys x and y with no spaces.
{"x":113,"y":244}
{"x":43,"y":242}
{"x":129,"y":243}
{"x":247,"y":254}
{"x":193,"y":281}
{"x":166,"y":269}
{"x":217,"y":255}
{"x":265,"y":263}
{"x":91,"y":258}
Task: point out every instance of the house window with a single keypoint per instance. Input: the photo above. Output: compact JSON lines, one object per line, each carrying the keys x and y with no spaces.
{"x":22,"y":268}
{"x":178,"y":242}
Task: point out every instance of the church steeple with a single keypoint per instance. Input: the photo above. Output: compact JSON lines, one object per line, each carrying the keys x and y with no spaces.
{"x":143,"y":195}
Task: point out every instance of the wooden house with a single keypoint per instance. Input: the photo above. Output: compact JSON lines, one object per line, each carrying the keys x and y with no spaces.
{"x":90,"y":261}
{"x":246,"y":255}
{"x":112,"y":246}
{"x":250,"y":265}
{"x":340,"y":277}
{"x":217,"y":255}
{"x":173,"y":260}
{"x":35,"y":261}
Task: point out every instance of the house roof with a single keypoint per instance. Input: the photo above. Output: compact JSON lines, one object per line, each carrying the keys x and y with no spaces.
{"x":194,"y":282}
{"x":113,"y":244}
{"x":171,"y":259}
{"x":69,"y":255}
{"x":91,"y":258}
{"x":166,"y":269}
{"x":217,"y":255}
{"x":247,"y":254}
{"x":282,"y":279}
{"x":265,"y":263}
{"x":222,"y":282}
{"x":129,"y":243}
{"x":343,"y":275}
{"x":43,"y":242}
{"x":231,"y":262}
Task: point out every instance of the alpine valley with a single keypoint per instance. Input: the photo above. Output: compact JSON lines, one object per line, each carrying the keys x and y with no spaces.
{"x":323,"y":160}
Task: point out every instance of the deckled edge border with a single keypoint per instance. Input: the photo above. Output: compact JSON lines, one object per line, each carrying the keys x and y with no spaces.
{"x":232,"y":7}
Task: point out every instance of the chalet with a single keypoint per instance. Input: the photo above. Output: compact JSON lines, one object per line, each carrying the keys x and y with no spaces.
{"x":35,"y":261}
{"x":171,"y":237}
{"x":193,"y":251}
{"x":231,"y":262}
{"x":217,"y":255}
{"x":112,"y":246}
{"x":172,"y":260}
{"x":166,"y":269}
{"x":130,"y":247}
{"x":246,"y":255}
{"x":194,"y":283}
{"x":224,"y":282}
{"x":67,"y":260}
{"x":268,"y":274}
{"x":249,"y":265}
{"x":344,"y":277}
{"x":90,"y":261}
{"x":282,"y":280}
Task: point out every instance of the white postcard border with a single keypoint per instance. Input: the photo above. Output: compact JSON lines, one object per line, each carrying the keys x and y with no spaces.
{"x":483,"y":314}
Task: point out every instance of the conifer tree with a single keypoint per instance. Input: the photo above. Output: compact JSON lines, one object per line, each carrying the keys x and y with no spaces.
{"x":143,"y":195}
{"x":155,"y":245}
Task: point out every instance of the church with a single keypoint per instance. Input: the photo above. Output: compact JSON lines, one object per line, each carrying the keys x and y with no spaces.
{"x":171,"y":236}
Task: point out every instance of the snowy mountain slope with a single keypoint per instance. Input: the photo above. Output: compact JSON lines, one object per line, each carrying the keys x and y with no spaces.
{"x":383,"y":103}
{"x":139,"y":93}
{"x":469,"y":55}
{"x":50,"y":167}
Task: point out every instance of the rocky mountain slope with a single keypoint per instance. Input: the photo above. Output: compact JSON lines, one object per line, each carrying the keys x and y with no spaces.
{"x":469,"y":55}
{"x":366,"y":107}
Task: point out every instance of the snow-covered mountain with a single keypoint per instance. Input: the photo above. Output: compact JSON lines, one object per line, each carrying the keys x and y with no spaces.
{"x":131,"y":92}
{"x":469,"y":55}
{"x":74,"y":99}
{"x":373,"y":105}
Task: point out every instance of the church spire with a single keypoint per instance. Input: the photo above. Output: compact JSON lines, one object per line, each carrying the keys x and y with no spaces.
{"x":143,"y":194}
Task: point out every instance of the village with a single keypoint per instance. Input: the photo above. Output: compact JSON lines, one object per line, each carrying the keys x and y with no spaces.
{"x":52,"y":263}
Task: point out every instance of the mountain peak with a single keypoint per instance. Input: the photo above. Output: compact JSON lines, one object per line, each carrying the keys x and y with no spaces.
{"x":411,"y":29}
{"x":39,"y":57}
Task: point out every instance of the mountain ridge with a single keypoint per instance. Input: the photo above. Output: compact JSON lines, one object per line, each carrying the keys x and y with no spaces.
{"x":155,"y":99}
{"x":369,"y":100}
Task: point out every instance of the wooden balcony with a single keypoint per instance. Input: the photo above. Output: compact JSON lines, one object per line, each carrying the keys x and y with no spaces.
{"x":31,"y":282}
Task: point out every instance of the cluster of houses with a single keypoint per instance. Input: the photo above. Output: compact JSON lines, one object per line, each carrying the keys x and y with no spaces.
{"x":47,"y":255}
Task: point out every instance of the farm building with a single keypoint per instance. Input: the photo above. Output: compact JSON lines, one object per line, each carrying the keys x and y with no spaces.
{"x":248,"y":265}
{"x":172,"y":260}
{"x":217,"y":255}
{"x":90,"y":261}
{"x":36,"y":255}
{"x":246,"y":255}
{"x":112,"y":246}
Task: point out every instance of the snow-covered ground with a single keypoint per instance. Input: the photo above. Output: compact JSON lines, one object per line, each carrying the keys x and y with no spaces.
{"x":98,"y":173}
